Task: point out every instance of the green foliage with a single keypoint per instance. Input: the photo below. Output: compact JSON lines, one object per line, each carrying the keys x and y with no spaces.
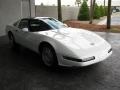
{"x":96,"y":12}
{"x":106,"y":8}
{"x":102,"y":11}
{"x":83,"y":12}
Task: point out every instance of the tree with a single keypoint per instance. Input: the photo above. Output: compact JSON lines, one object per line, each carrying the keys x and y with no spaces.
{"x":83,"y":11}
{"x":104,"y":3}
{"x":92,"y":6}
{"x":109,"y":15}
{"x":96,"y":12}
{"x":105,"y":8}
{"x":91,"y":11}
{"x":102,"y":11}
{"x":59,"y":10}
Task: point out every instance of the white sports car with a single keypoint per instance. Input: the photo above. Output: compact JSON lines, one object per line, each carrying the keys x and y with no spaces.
{"x":58,"y":44}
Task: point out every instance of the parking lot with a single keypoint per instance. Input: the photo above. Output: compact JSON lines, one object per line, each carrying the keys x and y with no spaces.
{"x":23,"y":70}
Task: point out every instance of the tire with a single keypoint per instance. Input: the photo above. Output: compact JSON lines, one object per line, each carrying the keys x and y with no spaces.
{"x":48,"y":56}
{"x":12,"y":42}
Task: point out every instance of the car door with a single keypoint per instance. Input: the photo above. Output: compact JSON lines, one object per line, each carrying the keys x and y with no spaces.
{"x":33,"y":38}
{"x":22,"y":32}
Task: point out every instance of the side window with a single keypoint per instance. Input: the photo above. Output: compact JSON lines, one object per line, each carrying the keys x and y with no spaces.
{"x":16,"y":23}
{"x":23,"y":24}
{"x":38,"y":25}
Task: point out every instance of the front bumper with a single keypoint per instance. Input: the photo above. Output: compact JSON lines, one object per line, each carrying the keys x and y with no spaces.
{"x":98,"y":58}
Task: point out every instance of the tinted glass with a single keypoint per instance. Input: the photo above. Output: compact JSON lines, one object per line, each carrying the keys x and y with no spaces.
{"x":16,"y":23}
{"x":23,"y":24}
{"x":38,"y":25}
{"x":55,"y":24}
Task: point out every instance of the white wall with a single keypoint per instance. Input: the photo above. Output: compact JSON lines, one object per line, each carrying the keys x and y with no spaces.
{"x":51,"y":11}
{"x":10,"y":11}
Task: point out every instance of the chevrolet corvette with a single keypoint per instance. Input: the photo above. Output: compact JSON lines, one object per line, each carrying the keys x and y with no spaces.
{"x":57,"y":43}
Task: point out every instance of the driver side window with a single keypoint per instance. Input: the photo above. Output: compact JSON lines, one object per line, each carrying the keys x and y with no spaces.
{"x":38,"y":25}
{"x":23,"y":24}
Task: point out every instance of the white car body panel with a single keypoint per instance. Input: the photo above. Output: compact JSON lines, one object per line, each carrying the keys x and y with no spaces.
{"x":70,"y":42}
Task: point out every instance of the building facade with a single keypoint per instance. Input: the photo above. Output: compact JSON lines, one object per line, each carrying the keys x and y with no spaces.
{"x":12,"y":10}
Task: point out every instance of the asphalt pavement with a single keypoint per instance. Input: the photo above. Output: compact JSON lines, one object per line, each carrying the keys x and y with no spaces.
{"x":23,"y":70}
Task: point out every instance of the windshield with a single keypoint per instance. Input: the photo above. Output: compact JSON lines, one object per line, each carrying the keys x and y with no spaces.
{"x":55,"y":24}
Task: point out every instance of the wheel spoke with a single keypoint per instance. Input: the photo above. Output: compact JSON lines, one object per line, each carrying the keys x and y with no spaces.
{"x":47,"y":56}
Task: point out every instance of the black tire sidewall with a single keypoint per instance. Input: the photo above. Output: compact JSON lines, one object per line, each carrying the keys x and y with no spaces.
{"x":55,"y":62}
{"x":14,"y":44}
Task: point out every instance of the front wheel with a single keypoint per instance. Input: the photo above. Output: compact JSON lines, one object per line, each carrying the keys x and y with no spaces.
{"x":11,"y":40}
{"x":48,"y":56}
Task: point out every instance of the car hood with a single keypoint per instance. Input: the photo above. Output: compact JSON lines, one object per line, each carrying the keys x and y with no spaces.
{"x":72,"y":37}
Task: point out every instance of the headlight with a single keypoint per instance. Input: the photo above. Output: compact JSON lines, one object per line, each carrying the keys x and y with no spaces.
{"x":79,"y":60}
{"x":72,"y":59}
{"x":109,"y":50}
{"x":88,"y":59}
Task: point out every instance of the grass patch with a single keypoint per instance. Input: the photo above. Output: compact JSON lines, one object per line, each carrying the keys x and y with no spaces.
{"x":115,"y":30}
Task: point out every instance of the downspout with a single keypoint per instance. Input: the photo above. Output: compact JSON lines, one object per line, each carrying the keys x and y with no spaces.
{"x":21,"y":10}
{"x":29,"y":8}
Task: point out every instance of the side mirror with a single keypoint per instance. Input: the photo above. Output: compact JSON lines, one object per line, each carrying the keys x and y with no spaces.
{"x":25,"y":29}
{"x":65,"y":25}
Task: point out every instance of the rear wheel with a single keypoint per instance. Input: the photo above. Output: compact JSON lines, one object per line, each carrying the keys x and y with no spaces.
{"x":11,"y":40}
{"x":48,"y":56}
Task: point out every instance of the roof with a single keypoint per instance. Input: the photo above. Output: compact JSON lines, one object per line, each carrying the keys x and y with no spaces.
{"x":36,"y":18}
